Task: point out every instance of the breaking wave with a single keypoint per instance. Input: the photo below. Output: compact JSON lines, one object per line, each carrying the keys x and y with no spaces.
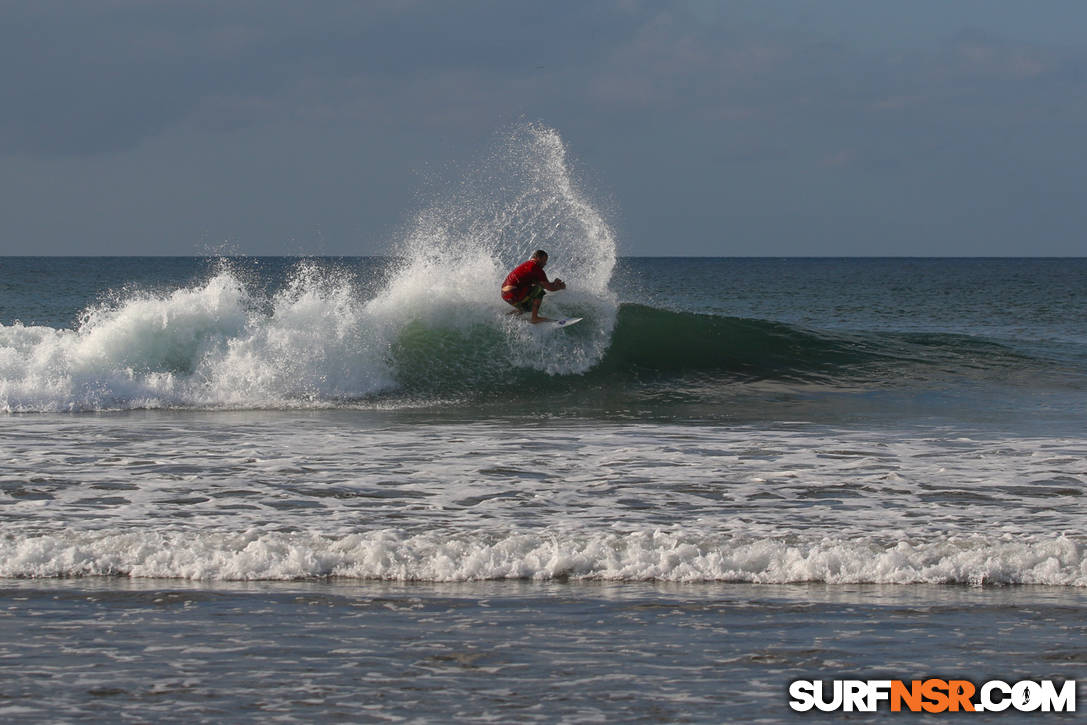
{"x":638,"y":556}
{"x":318,"y":342}
{"x":321,"y":339}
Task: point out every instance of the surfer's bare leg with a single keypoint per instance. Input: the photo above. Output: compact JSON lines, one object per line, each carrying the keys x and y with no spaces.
{"x":536,"y":312}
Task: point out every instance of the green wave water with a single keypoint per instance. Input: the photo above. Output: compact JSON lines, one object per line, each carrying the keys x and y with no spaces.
{"x":652,"y":343}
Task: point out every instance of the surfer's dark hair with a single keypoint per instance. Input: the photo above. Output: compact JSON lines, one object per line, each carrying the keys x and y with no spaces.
{"x":539,"y":254}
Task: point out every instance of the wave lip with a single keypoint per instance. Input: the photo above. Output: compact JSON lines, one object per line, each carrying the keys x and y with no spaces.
{"x":393,"y":555}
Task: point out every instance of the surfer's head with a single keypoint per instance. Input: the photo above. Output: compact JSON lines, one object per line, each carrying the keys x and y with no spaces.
{"x":540,"y":256}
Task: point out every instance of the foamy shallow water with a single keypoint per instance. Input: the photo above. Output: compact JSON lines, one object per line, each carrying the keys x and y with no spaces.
{"x":347,"y":651}
{"x":275,"y":495}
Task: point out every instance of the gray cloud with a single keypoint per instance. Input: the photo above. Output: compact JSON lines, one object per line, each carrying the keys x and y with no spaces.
{"x":722,"y":126}
{"x":90,"y":78}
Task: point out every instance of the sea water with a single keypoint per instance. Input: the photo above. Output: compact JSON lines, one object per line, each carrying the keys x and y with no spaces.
{"x":356,"y":489}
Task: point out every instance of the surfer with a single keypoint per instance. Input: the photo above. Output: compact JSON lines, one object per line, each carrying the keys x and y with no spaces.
{"x":526,"y":285}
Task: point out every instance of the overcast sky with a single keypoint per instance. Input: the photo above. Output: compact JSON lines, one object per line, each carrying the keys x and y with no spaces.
{"x":860,"y":127}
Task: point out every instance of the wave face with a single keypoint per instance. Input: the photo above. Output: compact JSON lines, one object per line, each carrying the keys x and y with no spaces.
{"x":670,"y":342}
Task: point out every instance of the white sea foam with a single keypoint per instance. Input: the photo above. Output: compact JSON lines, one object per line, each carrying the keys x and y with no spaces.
{"x":278,"y":496}
{"x":143,"y":352}
{"x":320,"y":339}
{"x":208,"y":345}
{"x":636,"y":556}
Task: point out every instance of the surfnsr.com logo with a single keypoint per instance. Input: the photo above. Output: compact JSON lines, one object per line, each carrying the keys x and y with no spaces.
{"x":932,"y":695}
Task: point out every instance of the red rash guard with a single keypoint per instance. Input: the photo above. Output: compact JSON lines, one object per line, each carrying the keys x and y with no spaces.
{"x":523,"y":278}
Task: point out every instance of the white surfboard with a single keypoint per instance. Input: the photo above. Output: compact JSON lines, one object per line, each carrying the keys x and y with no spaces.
{"x":565,"y":322}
